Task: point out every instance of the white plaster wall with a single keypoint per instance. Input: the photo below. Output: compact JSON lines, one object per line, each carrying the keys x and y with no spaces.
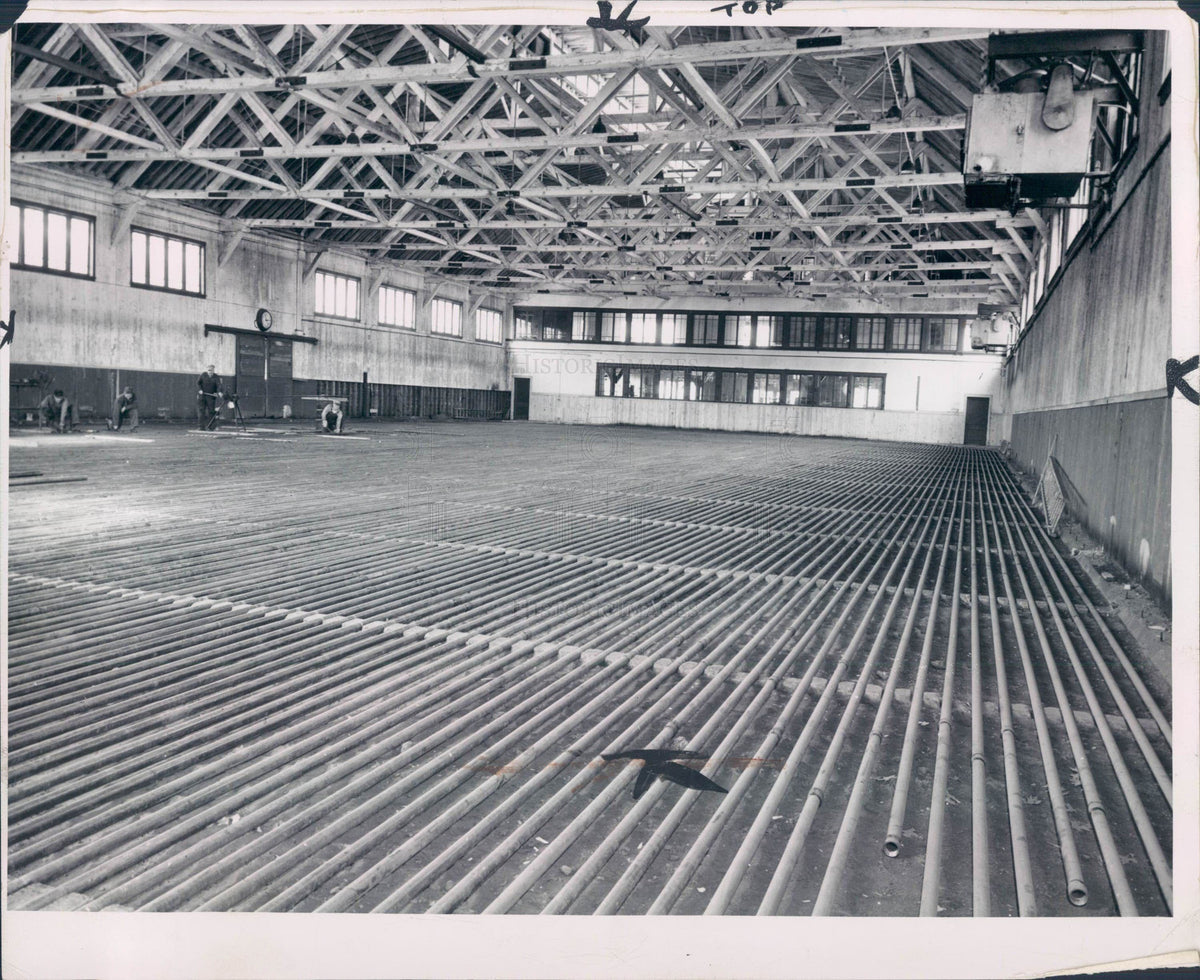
{"x":924,"y":394}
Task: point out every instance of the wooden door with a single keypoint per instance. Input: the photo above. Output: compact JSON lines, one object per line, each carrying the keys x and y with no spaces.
{"x":976,"y":432}
{"x":264,"y":375}
{"x":279,"y":375}
{"x":521,"y":398}
{"x":252,"y":375}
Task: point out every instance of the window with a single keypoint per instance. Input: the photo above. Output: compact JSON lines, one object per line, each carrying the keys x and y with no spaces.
{"x":643,"y":328}
{"x":734,"y":386}
{"x":165,"y":262}
{"x":833,"y":390}
{"x":738,"y":330}
{"x":799,"y":388}
{"x":906,"y":332}
{"x":643,"y":382}
{"x":804,"y":331}
{"x":446,"y":318}
{"x":867,"y":391}
{"x":768,"y":331}
{"x":671,"y":383}
{"x":766,"y":388}
{"x":53,"y":240}
{"x":704,"y":328}
{"x":613,"y":328}
{"x":489,"y":325}
{"x":337,"y":296}
{"x":583,"y":326}
{"x":523,"y":327}
{"x":674,"y":328}
{"x":836,"y":335}
{"x":702,"y":386}
{"x":397,"y":307}
{"x":610,"y":380}
{"x":943,"y":332}
{"x":872,"y":332}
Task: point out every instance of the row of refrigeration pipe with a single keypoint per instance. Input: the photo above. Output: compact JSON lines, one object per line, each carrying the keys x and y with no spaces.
{"x":443,"y":689}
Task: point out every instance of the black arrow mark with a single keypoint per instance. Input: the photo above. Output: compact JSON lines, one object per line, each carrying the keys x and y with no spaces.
{"x":605,"y":21}
{"x":658,"y":764}
{"x":9,"y":328}
{"x":1175,"y":372}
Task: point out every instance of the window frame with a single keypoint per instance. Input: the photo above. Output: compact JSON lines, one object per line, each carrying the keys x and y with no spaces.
{"x":404,"y":297}
{"x":723,"y":384}
{"x":911,"y":323}
{"x":499,"y":315}
{"x":167,"y":240}
{"x":336,"y":276}
{"x":433,"y":318}
{"x":18,"y":261}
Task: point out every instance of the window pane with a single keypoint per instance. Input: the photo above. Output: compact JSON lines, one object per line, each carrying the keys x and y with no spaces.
{"x":804,"y":331}
{"x":705,"y":328}
{"x":766,"y":388}
{"x":875,"y":393}
{"x":158,"y":260}
{"x":193,"y":279}
{"x":328,"y":296}
{"x":56,"y":241}
{"x":642,"y":328}
{"x":138,"y":260}
{"x":352,"y":298}
{"x":33,"y":237}
{"x":81,"y":246}
{"x":174,"y":264}
{"x":858,"y":396}
{"x":580,"y":326}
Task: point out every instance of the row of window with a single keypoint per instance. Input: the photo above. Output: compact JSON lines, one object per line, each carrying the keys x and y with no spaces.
{"x":941,"y":334}
{"x":63,"y":242}
{"x":823,"y":389}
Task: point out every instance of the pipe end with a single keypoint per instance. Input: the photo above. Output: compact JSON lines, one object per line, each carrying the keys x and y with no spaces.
{"x":1077,"y":894}
{"x":891,"y":847}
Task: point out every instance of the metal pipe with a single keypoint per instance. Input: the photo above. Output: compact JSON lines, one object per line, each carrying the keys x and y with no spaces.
{"x":780,"y":877}
{"x":1076,"y":888}
{"x":938,"y":800}
{"x":1145,"y":827}
{"x":1014,"y":799}
{"x":892,"y":836}
{"x":980,"y":879}
{"x":839,"y":856}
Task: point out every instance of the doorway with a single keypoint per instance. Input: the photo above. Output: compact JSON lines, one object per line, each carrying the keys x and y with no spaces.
{"x":978,"y":410}
{"x":264,"y":375}
{"x":521,"y":399}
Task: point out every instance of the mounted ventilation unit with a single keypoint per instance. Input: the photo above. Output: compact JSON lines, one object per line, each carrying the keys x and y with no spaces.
{"x":1029,"y":133}
{"x":993,"y":332}
{"x":1028,"y":146}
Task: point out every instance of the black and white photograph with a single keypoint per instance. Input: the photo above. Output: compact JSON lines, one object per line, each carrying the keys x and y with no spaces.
{"x":520,"y":470}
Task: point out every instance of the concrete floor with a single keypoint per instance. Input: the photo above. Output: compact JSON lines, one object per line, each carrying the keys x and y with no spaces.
{"x":282,"y":671}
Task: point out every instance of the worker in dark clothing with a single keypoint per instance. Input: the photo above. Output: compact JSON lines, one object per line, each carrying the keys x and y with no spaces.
{"x":57,"y":411}
{"x":209,"y":392}
{"x":331,"y":417}
{"x":124,"y":409}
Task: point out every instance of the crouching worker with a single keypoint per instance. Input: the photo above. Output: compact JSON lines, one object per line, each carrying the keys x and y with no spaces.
{"x":331,"y":417}
{"x":57,"y":411}
{"x":124,"y":410}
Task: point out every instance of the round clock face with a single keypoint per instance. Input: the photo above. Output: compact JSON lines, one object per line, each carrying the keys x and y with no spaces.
{"x":264,"y":320}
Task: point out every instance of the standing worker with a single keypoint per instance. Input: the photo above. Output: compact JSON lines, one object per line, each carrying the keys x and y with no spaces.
{"x":208,"y":396}
{"x":124,"y":407}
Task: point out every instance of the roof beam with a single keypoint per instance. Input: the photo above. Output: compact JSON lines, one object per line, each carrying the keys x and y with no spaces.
{"x":603,"y":62}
